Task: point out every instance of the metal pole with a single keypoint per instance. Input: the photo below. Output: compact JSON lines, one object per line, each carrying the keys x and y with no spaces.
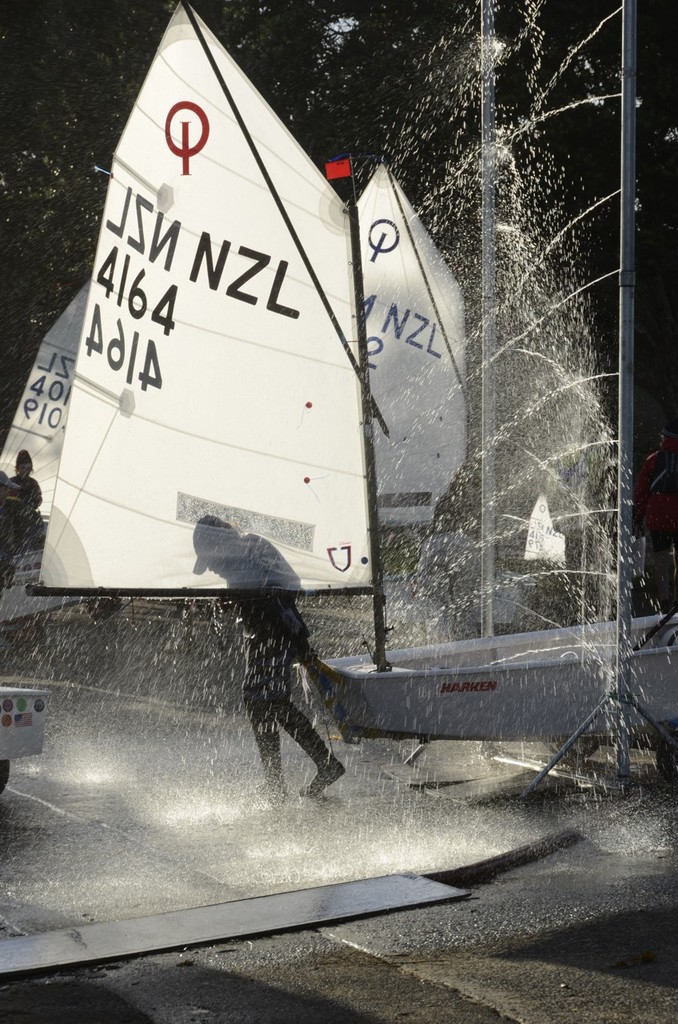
{"x":488,"y":318}
{"x":378,"y":599}
{"x":626,"y":351}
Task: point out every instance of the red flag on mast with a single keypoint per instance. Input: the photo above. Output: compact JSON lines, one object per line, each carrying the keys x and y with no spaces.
{"x":338,"y":168}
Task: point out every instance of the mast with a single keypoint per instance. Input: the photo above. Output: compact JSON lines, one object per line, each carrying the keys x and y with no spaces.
{"x":626,"y":353}
{"x":488,"y":318}
{"x":378,"y":599}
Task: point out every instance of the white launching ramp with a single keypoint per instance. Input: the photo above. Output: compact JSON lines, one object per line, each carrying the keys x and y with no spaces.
{"x":260,"y":915}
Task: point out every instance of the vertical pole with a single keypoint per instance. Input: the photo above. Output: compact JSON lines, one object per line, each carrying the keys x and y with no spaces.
{"x":378,"y":599}
{"x":488,"y":318}
{"x":626,"y":352}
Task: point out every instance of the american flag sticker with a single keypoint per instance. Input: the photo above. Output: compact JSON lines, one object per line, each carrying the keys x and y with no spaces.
{"x":25,"y":719}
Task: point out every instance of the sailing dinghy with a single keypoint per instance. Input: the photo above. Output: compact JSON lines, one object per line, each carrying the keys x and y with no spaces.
{"x":218,"y":385}
{"x":216,"y":382}
{"x":38,"y":428}
{"x":548,"y":685}
{"x":527,"y":686}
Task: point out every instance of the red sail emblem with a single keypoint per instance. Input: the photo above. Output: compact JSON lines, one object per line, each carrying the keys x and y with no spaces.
{"x":186,"y":150}
{"x":331,"y":552}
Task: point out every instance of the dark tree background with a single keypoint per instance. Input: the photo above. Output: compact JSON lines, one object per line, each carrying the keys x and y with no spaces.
{"x":396,"y":78}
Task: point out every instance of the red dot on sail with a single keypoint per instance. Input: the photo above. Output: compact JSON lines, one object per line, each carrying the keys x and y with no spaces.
{"x":307,"y":479}
{"x":309,"y":405}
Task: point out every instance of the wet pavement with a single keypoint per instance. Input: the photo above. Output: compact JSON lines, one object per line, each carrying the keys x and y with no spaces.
{"x":146,"y":800}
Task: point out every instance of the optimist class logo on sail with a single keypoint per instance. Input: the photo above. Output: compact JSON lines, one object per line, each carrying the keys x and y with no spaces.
{"x":154,"y":258}
{"x":383,"y":238}
{"x":185,"y":150}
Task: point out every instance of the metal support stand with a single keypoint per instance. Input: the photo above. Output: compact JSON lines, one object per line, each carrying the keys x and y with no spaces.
{"x":488,"y":320}
{"x":416,"y":752}
{"x":622,"y":698}
{"x":612,"y":697}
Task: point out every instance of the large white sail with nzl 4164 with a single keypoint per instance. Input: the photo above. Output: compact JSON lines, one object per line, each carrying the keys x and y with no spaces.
{"x":216,"y":397}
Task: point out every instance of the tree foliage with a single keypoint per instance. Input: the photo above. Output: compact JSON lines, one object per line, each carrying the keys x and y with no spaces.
{"x":394,"y":78}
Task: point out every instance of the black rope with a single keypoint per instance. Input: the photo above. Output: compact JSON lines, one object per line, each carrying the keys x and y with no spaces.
{"x":278,"y":201}
{"x":426,"y":281}
{"x":655,"y":629}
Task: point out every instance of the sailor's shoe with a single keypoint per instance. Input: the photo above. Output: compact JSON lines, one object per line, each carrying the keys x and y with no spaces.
{"x":328,"y":774}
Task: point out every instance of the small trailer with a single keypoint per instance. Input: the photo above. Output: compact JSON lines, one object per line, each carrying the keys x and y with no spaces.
{"x":22,"y":725}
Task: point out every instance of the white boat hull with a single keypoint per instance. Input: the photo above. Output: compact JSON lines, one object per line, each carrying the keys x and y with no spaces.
{"x":529,"y":686}
{"x":15,"y":604}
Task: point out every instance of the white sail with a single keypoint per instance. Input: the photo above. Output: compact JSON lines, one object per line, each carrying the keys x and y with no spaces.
{"x":542,"y":540}
{"x":40,"y":419}
{"x":211,"y":378}
{"x":415,"y":326}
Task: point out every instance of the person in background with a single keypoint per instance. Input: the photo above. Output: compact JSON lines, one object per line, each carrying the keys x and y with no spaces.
{"x":29,"y":488}
{"x":26,"y":501}
{"x":8,"y":535}
{"x":655,"y":508}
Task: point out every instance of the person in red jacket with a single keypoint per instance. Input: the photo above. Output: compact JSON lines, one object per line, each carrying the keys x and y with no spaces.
{"x":655,"y":508}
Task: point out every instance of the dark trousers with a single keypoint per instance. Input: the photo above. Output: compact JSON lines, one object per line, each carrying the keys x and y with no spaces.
{"x":267,"y":717}
{"x":6,"y":573}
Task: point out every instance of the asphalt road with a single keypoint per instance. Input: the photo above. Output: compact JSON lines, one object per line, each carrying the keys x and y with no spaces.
{"x":146,"y":799}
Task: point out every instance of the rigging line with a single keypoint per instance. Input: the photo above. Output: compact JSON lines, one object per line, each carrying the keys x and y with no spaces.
{"x":279,"y":203}
{"x":81,"y":490}
{"x":426,"y":280}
